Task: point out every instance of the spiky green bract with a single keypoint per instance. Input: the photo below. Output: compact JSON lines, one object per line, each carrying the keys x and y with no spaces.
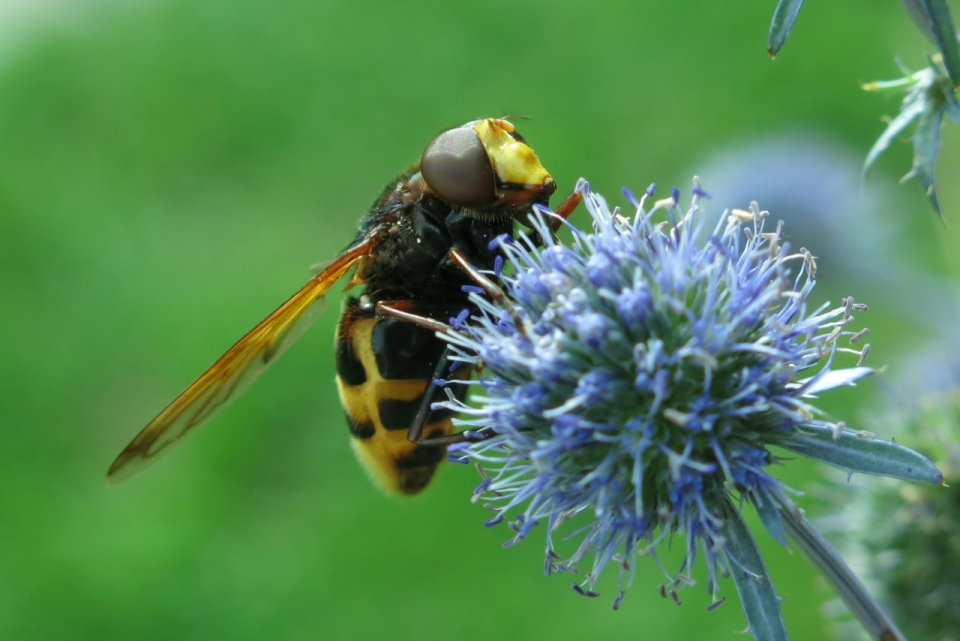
{"x":639,"y":377}
{"x":905,"y":539}
{"x":930,"y":95}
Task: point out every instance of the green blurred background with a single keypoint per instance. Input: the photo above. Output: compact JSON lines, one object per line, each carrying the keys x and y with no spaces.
{"x":168,"y":171}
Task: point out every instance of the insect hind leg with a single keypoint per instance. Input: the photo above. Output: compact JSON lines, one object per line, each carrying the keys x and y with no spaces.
{"x":404,"y":310}
{"x":419,"y":422}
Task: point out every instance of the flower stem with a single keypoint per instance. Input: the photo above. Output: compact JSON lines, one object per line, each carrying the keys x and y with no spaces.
{"x":864,"y":607}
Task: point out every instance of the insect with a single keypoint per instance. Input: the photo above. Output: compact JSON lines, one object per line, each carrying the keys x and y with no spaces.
{"x":423,"y":239}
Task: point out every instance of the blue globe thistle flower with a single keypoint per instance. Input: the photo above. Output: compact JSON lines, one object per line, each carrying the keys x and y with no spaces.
{"x":638,"y":378}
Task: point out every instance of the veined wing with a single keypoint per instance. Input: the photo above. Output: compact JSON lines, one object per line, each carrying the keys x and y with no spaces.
{"x":237,"y":369}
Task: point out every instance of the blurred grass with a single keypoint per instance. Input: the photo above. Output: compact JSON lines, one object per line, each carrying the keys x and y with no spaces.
{"x":167,"y":173}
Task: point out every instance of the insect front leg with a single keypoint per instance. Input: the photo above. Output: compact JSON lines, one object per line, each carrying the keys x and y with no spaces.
{"x":566,"y":208}
{"x":560,"y":214}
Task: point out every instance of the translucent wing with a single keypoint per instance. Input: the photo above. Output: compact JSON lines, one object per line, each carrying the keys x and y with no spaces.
{"x":237,"y":369}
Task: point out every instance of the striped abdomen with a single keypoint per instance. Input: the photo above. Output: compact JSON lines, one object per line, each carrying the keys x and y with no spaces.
{"x":383,"y":368}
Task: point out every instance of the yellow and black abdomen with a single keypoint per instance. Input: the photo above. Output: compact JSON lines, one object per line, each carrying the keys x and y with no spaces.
{"x":384,"y":366}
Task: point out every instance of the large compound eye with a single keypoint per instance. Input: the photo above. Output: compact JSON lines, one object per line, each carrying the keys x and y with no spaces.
{"x":457,"y":169}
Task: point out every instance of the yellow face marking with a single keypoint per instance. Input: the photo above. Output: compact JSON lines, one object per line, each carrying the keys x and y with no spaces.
{"x":513,"y":161}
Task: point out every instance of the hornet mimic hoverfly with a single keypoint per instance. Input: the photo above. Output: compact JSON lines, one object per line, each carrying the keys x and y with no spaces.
{"x":423,"y":239}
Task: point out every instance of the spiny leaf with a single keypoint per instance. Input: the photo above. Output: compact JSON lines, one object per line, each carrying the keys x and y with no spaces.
{"x":833,"y":379}
{"x":760,"y":602}
{"x":864,"y":607}
{"x":911,"y":111}
{"x":926,"y":145}
{"x":854,"y":453}
{"x":783,"y":18}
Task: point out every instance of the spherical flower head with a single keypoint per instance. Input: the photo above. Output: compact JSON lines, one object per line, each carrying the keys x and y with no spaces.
{"x":638,"y":377}
{"x":906,"y":540}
